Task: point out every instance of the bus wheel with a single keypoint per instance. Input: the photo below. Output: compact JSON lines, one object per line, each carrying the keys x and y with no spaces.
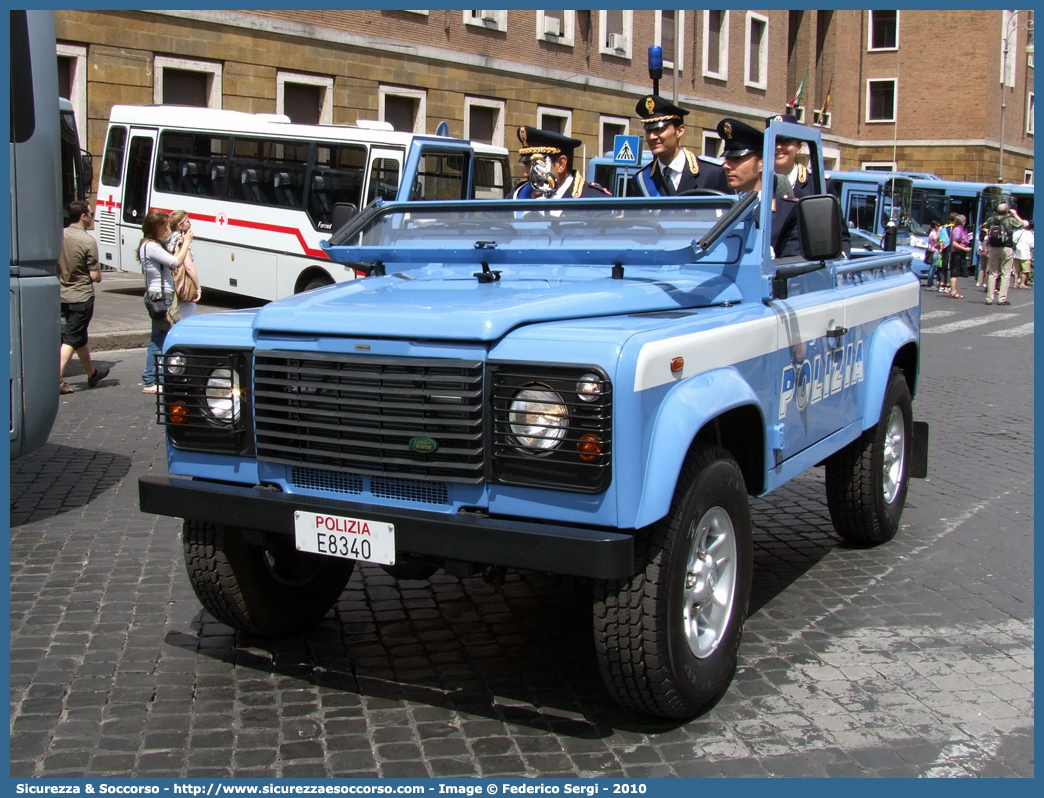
{"x":271,"y":590}
{"x":319,"y":281}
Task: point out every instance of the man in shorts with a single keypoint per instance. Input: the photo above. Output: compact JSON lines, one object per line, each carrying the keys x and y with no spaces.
{"x":78,"y":271}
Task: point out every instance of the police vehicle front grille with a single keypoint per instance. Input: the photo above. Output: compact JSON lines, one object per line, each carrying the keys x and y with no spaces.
{"x":413,"y":418}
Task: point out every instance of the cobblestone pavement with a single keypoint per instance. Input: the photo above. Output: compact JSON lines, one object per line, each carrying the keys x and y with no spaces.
{"x":915,"y":658}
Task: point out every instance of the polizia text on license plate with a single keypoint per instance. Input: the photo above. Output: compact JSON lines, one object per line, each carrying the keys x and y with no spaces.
{"x":350,"y":538}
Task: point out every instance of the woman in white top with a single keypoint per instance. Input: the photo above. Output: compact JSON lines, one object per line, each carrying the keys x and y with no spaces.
{"x":158,"y":266}
{"x":1023,"y":240}
{"x":179,"y":225}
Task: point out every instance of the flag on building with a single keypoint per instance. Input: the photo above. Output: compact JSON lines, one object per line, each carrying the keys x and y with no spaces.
{"x":826,"y":100}
{"x":800,"y":90}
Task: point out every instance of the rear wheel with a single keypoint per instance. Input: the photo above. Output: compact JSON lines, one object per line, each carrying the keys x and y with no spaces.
{"x":271,"y":590}
{"x":668,"y":637}
{"x":866,"y":482}
{"x":317,"y":282}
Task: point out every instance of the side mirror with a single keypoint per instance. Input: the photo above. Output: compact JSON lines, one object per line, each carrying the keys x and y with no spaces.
{"x":87,"y":171}
{"x":342,"y":214}
{"x":819,"y":227}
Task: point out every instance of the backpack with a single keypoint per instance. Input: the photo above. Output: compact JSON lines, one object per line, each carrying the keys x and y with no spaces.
{"x":995,"y":235}
{"x":944,"y":237}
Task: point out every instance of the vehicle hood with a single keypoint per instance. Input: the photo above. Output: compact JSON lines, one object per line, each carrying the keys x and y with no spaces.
{"x":450,"y":303}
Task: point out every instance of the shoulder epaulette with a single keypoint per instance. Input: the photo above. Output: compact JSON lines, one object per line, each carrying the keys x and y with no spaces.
{"x":694,"y":164}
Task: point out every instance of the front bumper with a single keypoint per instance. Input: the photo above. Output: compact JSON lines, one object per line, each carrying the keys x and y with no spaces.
{"x":512,"y":543}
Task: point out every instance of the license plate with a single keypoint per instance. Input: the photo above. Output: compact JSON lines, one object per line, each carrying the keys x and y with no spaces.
{"x":349,"y":538}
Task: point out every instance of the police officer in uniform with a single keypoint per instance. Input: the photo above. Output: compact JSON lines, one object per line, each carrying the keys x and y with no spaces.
{"x":673,"y":169}
{"x":743,"y":170}
{"x":792,"y":178}
{"x":547,"y":159}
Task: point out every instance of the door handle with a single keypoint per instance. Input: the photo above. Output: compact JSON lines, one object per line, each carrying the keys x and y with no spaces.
{"x":837,"y":332}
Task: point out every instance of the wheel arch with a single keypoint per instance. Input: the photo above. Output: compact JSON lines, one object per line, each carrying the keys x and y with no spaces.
{"x":313,"y":272}
{"x":718,"y":407}
{"x":894,"y":344}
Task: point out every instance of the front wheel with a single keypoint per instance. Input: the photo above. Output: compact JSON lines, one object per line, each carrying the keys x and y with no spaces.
{"x":866,"y":482}
{"x":268,"y":589}
{"x":667,"y":638}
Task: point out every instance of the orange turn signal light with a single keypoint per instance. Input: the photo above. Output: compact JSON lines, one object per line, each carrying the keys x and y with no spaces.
{"x":590,"y":448}
{"x":677,"y":364}
{"x":178,"y":413}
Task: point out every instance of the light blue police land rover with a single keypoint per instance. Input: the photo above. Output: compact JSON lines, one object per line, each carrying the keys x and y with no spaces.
{"x":592,"y":387}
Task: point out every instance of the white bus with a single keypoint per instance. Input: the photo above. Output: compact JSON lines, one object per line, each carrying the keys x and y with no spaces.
{"x":260,"y":191}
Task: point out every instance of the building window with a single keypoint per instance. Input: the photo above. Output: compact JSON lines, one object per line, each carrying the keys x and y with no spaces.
{"x":877,"y":166}
{"x":712,"y":144}
{"x":306,"y":99}
{"x":663,"y":35}
{"x":880,"y":100}
{"x":610,"y":127}
{"x":1029,"y":114}
{"x":72,"y":84}
{"x":490,"y":20}
{"x":555,"y":120}
{"x":884,"y":30}
{"x":716,"y":44}
{"x":484,"y":120}
{"x":179,"y":81}
{"x":755,"y":53}
{"x":1027,"y":177}
{"x":616,"y":27}
{"x":556,"y":26}
{"x":405,"y":109}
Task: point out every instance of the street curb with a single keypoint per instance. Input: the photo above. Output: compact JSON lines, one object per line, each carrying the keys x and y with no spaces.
{"x":125,"y":339}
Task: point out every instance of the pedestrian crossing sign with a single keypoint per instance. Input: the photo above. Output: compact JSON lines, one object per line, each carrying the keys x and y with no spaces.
{"x":627,"y":150}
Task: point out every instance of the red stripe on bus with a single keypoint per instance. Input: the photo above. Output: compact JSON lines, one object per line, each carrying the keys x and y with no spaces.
{"x":269,"y":228}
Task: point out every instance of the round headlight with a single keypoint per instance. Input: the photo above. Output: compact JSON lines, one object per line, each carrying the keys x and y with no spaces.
{"x":223,"y":394}
{"x":589,"y":387}
{"x":176,"y":365}
{"x":538,"y":419}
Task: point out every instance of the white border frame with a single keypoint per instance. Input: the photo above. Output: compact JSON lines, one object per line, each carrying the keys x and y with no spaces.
{"x":1029,"y":113}
{"x":420,"y":121}
{"x":498,"y":23}
{"x":325,"y":83}
{"x":568,"y":37}
{"x":628,"y":31}
{"x":895,"y":101}
{"x":605,"y":119}
{"x":723,"y":46}
{"x":679,"y":46}
{"x":78,"y":87}
{"x":560,"y":113}
{"x":162,"y":62}
{"x":870,"y":32}
{"x":751,"y":18}
{"x":483,"y":102}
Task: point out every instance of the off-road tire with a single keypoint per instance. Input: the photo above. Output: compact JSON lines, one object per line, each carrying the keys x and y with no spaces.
{"x":860,"y":477}
{"x":270,"y":591}
{"x":646,"y":657}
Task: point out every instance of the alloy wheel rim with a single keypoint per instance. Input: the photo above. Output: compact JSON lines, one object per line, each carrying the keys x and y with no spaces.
{"x":710,"y":582}
{"x":894,"y":455}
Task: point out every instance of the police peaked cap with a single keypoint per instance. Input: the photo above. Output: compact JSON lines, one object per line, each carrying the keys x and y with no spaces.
{"x":653,"y":108}
{"x":740,"y":138}
{"x":781,"y":118}
{"x":545,"y":142}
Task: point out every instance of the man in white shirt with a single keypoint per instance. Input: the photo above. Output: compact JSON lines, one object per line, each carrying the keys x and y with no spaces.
{"x":674,"y":169}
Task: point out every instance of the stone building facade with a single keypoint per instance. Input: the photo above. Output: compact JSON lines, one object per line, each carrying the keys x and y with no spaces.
{"x":892,"y":99}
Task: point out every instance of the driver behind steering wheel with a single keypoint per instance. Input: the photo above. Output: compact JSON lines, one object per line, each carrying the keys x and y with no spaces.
{"x":673,"y":169}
